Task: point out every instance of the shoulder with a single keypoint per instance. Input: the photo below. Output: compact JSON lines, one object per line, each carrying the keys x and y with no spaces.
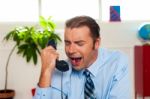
{"x":114,"y":55}
{"x":114,"y":60}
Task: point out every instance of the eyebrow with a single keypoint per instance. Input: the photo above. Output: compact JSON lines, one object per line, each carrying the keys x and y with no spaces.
{"x":76,"y":41}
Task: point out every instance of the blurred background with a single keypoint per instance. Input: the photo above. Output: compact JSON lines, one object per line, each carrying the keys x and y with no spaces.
{"x":119,"y":20}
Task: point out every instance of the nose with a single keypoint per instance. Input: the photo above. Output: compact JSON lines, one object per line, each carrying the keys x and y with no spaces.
{"x":71,"y":48}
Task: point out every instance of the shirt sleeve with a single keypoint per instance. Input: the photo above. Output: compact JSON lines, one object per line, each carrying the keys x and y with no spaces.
{"x":121,"y":86}
{"x":49,"y":93}
{"x":42,"y":93}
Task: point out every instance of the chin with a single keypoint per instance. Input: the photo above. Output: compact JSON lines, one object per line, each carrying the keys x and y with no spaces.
{"x":78,"y":68}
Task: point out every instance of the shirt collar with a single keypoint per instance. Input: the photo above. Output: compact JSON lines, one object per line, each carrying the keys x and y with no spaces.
{"x":94,"y":68}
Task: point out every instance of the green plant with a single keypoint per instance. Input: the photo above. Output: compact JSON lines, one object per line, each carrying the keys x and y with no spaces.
{"x":30,"y":40}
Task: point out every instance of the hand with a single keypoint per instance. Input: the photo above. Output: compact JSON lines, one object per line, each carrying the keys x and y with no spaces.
{"x":48,"y":61}
{"x":48,"y":58}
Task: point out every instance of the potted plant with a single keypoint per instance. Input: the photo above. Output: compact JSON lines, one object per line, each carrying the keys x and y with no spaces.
{"x":28,"y":42}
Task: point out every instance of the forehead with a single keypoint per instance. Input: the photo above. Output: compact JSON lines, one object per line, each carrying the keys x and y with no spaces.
{"x":80,"y":32}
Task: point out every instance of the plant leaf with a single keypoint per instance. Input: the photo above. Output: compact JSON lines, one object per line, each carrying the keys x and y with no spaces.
{"x":30,"y":40}
{"x":34,"y":54}
{"x":43,"y":22}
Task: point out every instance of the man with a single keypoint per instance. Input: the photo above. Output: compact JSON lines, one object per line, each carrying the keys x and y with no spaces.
{"x":94,"y":72}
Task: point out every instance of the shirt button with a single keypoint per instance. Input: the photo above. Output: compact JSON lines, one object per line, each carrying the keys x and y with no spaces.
{"x":43,"y":94}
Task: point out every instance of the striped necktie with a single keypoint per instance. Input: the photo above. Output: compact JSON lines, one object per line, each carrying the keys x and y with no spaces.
{"x":89,"y":86}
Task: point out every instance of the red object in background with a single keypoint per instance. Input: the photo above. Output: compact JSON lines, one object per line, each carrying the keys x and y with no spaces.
{"x":142,"y":71}
{"x":33,"y":91}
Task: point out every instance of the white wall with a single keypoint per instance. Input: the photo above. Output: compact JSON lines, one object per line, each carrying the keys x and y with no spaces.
{"x":24,"y":76}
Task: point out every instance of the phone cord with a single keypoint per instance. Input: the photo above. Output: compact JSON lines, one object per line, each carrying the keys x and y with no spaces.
{"x":61,"y":85}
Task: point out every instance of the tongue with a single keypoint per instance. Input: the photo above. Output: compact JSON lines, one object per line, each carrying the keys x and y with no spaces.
{"x":76,"y":61}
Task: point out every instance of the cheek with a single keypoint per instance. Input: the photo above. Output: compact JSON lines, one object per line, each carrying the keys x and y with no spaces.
{"x":66,"y":50}
{"x":86,"y":53}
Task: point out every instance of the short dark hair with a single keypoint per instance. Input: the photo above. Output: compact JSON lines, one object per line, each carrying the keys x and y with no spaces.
{"x":80,"y":21}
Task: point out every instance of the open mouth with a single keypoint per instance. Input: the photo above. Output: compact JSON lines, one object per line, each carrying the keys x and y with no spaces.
{"x":76,"y":60}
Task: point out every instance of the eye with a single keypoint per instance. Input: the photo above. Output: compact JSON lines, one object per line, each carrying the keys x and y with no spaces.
{"x":80,"y":43}
{"x":67,"y":43}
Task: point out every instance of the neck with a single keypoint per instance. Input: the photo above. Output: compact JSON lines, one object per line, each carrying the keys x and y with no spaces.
{"x":94,"y":58}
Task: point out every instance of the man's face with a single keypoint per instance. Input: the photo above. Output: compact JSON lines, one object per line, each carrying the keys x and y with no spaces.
{"x":80,"y":48}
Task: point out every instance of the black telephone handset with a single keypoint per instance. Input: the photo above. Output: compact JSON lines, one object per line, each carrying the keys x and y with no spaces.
{"x":60,"y":64}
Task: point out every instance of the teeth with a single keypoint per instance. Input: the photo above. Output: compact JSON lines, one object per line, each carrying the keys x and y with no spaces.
{"x":76,"y":58}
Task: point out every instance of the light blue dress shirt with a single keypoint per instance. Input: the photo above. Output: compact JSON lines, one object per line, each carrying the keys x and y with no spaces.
{"x":109,"y":73}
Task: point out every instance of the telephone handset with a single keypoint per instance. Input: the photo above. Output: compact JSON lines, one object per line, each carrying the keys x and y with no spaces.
{"x":60,"y":64}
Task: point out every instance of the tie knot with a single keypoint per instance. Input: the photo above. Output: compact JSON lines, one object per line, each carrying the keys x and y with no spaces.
{"x":86,"y":73}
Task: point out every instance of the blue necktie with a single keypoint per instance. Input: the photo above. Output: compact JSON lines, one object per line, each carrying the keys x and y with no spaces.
{"x":89,"y":86}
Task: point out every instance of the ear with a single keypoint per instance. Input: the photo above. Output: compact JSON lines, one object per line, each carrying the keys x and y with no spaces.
{"x":97,"y":43}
